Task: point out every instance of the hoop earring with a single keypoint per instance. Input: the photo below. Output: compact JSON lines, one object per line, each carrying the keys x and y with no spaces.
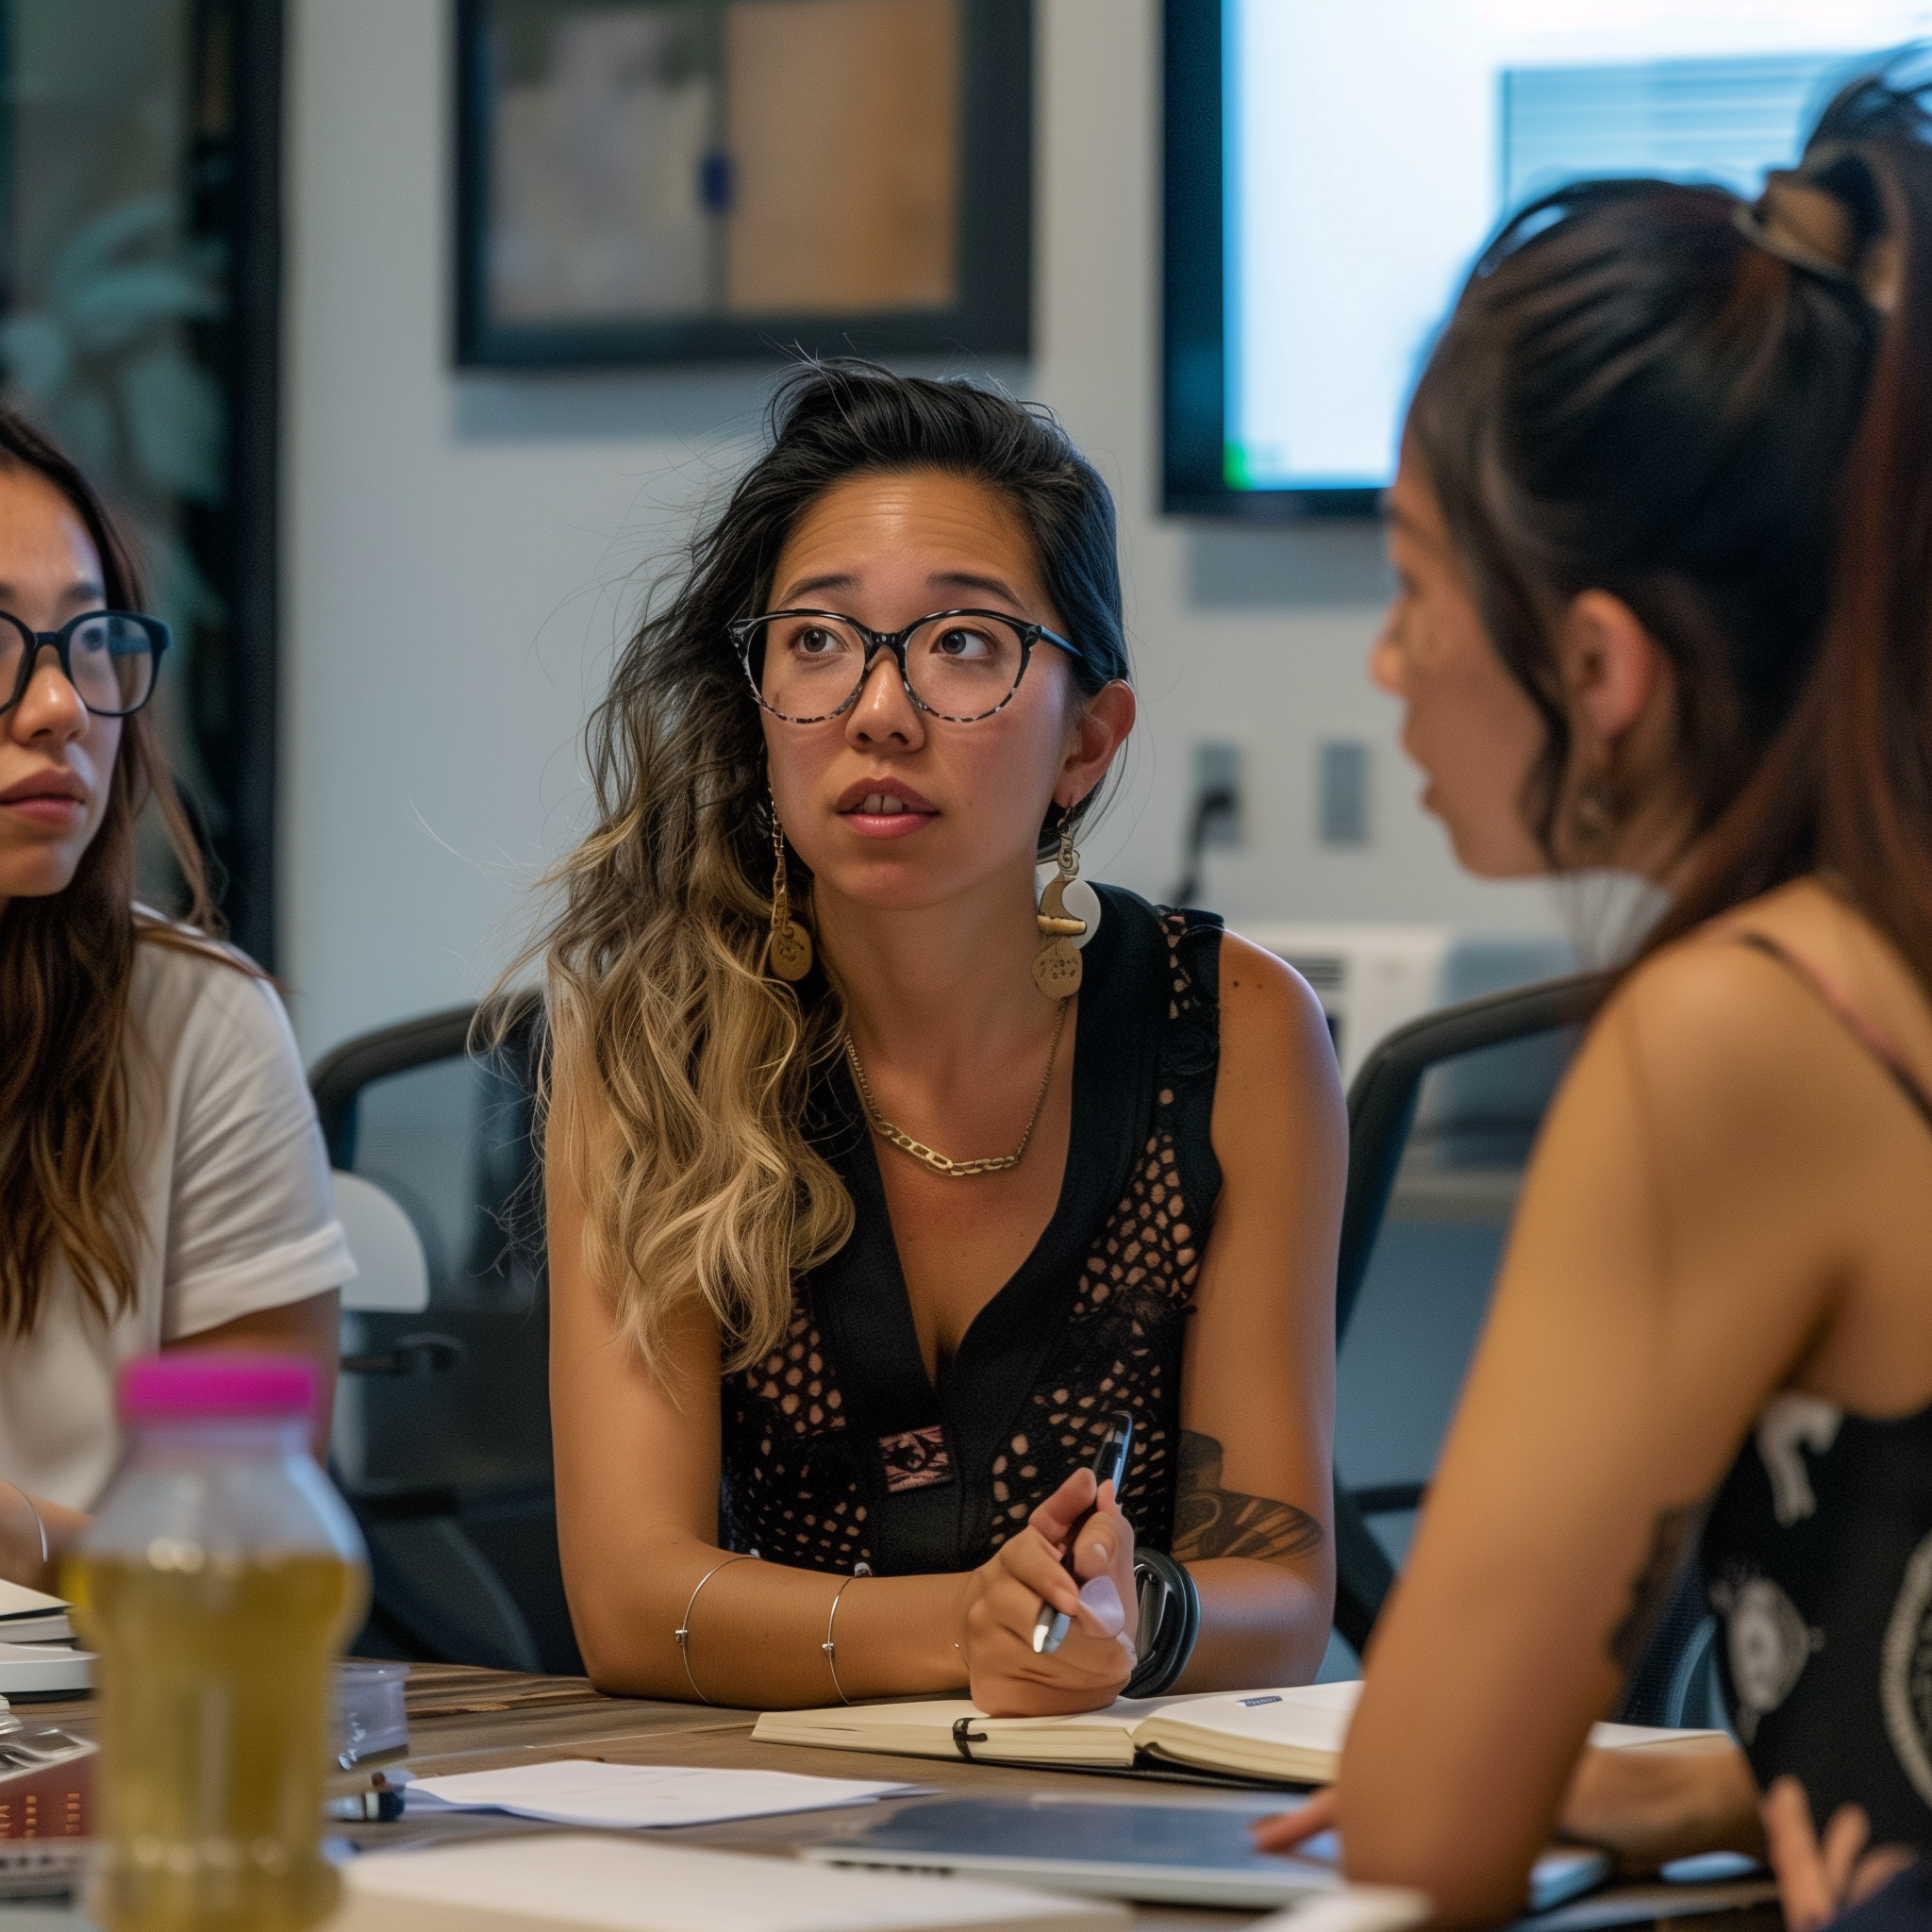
{"x":1056,"y":966}
{"x":788,"y":947}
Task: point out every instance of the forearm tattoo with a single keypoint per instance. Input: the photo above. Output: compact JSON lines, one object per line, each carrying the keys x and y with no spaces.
{"x":1210,"y":1521}
{"x":1650,"y":1588}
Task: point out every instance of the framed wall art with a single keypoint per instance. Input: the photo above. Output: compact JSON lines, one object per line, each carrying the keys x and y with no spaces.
{"x":649,"y":181}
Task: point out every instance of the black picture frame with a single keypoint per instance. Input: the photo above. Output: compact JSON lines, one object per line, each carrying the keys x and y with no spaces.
{"x":244,"y":200}
{"x":993,"y":316}
{"x":1193,"y":378}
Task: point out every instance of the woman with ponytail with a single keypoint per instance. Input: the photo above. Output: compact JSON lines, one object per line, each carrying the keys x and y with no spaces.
{"x":879,"y":1182}
{"x":1663,"y":538}
{"x":162,"y":1179}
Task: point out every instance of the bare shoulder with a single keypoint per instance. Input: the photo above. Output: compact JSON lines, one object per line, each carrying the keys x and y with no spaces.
{"x":1704,"y":997}
{"x":1720,"y":1034}
{"x":1280,"y":1136}
{"x":1277,"y":1085}
{"x":1724,"y":1159}
{"x":1847,"y":952}
{"x":1271,"y":1023}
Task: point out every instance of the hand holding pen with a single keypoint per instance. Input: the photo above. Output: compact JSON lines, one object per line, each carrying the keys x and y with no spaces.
{"x":1051,"y":1625}
{"x":1074,"y":1563}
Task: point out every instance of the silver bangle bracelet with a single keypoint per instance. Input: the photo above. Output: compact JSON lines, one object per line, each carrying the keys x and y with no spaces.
{"x":33,"y":1510}
{"x":683,"y":1631}
{"x":829,"y":1646}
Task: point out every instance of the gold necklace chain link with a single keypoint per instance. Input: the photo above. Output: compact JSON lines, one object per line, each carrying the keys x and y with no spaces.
{"x":959,"y":1170}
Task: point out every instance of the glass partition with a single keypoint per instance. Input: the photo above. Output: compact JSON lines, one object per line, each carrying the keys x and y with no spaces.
{"x":138,"y":186}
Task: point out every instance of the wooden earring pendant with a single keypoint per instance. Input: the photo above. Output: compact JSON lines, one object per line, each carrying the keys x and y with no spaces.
{"x":1057,"y":968}
{"x":787,"y":950}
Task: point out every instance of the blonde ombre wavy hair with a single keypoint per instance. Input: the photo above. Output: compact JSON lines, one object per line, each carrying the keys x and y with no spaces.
{"x":687,"y":1069}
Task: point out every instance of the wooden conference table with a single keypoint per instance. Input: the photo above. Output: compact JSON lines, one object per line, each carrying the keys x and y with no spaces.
{"x":470,"y":1720}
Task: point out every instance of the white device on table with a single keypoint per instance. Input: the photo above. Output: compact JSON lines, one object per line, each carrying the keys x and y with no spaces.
{"x":543,"y":1884}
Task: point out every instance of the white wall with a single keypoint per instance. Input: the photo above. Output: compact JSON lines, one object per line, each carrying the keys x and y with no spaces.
{"x":460,"y":550}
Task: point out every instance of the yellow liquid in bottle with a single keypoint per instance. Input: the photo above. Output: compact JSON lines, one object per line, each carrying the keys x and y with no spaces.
{"x":214,"y":1685}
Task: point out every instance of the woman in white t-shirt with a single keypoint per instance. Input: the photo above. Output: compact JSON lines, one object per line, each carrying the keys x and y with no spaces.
{"x":163,"y":1178}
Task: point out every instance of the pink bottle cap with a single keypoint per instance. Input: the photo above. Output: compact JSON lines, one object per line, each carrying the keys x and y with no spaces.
{"x":186,"y":1384}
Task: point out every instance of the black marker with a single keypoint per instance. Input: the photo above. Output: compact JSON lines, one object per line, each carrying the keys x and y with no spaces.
{"x":1110,"y":1466}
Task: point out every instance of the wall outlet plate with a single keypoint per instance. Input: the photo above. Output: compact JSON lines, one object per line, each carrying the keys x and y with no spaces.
{"x":1342,"y":806}
{"x":1218,"y":792}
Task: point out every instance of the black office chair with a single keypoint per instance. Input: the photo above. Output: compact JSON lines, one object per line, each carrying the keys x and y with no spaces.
{"x":441,"y":1444}
{"x":1440,"y":1119}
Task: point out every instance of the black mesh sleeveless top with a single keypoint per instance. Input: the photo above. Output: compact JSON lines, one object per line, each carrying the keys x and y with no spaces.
{"x":838,"y":1448}
{"x":1818,"y":1561}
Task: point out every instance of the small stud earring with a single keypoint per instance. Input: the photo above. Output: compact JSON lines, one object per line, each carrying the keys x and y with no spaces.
{"x":787,"y":948}
{"x":1593,"y":815}
{"x":1056,"y":967}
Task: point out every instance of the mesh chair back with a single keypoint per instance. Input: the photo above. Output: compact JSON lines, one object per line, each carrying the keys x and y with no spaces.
{"x":443,"y":1442}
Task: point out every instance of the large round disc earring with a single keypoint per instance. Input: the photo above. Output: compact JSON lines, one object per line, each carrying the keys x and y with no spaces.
{"x":1056,"y":966}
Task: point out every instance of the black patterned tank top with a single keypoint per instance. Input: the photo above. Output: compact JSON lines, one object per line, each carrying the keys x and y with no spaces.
{"x":1818,"y":1562}
{"x":838,"y":1448}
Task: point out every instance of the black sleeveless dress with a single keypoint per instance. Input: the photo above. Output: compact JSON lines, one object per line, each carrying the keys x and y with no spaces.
{"x":840,"y":1449}
{"x":1904,"y":1905}
{"x":1818,"y":1561}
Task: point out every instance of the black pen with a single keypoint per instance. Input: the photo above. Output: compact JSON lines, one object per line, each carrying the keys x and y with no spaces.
{"x":1110,"y":1466}
{"x":381,"y":1803}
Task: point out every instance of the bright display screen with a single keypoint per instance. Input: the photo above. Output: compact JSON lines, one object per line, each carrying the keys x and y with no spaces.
{"x":1372,"y":146}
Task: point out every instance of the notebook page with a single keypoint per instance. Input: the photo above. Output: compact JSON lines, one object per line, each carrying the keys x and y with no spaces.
{"x":925,"y":1728}
{"x":17,"y":1600}
{"x":580,"y":1791}
{"x":1298,"y":1731}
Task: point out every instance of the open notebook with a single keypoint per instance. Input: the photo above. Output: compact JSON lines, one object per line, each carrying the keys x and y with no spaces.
{"x":37,"y":1653}
{"x":1290,"y":1735}
{"x":30,"y":1616}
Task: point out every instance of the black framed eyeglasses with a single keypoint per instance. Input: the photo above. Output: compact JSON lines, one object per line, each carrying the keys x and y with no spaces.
{"x":108,"y":656}
{"x":807,"y":666}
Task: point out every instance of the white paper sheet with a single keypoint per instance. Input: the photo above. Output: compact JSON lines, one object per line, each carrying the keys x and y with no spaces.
{"x":541,"y":1883}
{"x":579,"y":1791}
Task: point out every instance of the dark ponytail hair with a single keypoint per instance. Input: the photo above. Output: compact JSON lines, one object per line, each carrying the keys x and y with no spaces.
{"x":1643,"y":390}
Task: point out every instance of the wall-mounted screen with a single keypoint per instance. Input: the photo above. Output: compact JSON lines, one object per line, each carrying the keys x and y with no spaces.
{"x":1333,"y":169}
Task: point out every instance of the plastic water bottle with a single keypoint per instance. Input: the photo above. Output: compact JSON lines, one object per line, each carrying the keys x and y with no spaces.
{"x":217,"y":1584}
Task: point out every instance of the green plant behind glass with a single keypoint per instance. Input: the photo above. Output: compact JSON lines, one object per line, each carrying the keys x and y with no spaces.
{"x":108,"y":291}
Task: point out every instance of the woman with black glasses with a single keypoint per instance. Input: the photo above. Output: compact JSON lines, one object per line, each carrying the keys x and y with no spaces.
{"x":162,"y":1174}
{"x":879,"y":1182}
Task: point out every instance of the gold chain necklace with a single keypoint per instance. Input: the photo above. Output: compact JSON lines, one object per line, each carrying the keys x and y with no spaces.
{"x":960,"y":1170}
